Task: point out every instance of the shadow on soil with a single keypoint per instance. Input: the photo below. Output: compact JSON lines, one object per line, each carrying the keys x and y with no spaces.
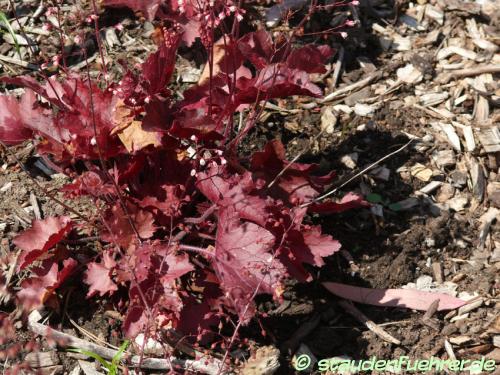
{"x":389,"y":251}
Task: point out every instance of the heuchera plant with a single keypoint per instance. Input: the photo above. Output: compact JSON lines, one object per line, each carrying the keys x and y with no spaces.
{"x":191,"y":231}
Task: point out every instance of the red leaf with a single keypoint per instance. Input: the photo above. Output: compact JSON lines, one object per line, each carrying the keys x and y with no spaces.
{"x":244,"y":263}
{"x":235,"y":192}
{"x":122,"y":233}
{"x":171,"y":200}
{"x":405,"y":298}
{"x":310,"y":58}
{"x":148,"y":7}
{"x":49,"y":92}
{"x":18,"y":119}
{"x":191,"y":31}
{"x":295,"y":184}
{"x":71,"y":132}
{"x":98,"y":276}
{"x":163,"y":295}
{"x":42,"y":236}
{"x":306,"y":245}
{"x":275,"y":81}
{"x":258,"y":48}
{"x":349,"y":201}
{"x":36,"y":290}
{"x":89,"y":183}
{"x":154,"y":75}
{"x":319,"y":245}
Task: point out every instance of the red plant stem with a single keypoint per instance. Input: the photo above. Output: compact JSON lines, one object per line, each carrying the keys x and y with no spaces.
{"x":211,"y":63}
{"x":61,"y":36}
{"x":101,"y":159}
{"x":130,"y":269}
{"x":99,"y":41}
{"x":256,"y":291}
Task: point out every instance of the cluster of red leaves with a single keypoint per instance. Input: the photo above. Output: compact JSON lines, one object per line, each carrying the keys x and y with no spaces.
{"x":190,"y":16}
{"x":190,"y":230}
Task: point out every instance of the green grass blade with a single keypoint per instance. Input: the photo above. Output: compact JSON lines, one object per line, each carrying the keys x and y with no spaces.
{"x":5,"y":20}
{"x":118,"y":356}
{"x":97,"y":357}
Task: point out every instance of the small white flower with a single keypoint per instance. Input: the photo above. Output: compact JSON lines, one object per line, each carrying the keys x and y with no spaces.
{"x":193,"y":172}
{"x":194,"y":138}
{"x":203,"y":162}
{"x":93,"y":141}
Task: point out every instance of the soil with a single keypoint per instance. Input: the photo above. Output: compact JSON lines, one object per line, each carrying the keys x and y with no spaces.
{"x":387,"y":252}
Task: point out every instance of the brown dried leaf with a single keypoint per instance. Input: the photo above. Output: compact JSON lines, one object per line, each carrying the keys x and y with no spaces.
{"x":130,"y":131}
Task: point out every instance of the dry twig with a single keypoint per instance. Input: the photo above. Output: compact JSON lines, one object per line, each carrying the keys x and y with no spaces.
{"x":372,"y":326}
{"x":208,"y":366}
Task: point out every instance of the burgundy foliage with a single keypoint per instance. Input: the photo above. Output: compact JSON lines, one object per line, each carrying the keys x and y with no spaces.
{"x":189,"y":229}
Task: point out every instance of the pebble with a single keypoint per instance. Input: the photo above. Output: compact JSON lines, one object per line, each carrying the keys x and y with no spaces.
{"x":460,"y":340}
{"x":6,"y":187}
{"x":428,"y":138}
{"x":350,"y":160}
{"x":496,"y":341}
{"x":459,"y":178}
{"x":430,"y":242}
{"x":444,"y":158}
{"x":494,"y":354}
{"x":364,"y":109}
{"x":449,"y":329}
{"x":495,"y":256}
{"x":493,"y":190}
{"x":328,"y":120}
{"x":458,"y":203}
{"x":381,"y":173}
{"x":421,"y":172}
{"x":446,"y":192}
